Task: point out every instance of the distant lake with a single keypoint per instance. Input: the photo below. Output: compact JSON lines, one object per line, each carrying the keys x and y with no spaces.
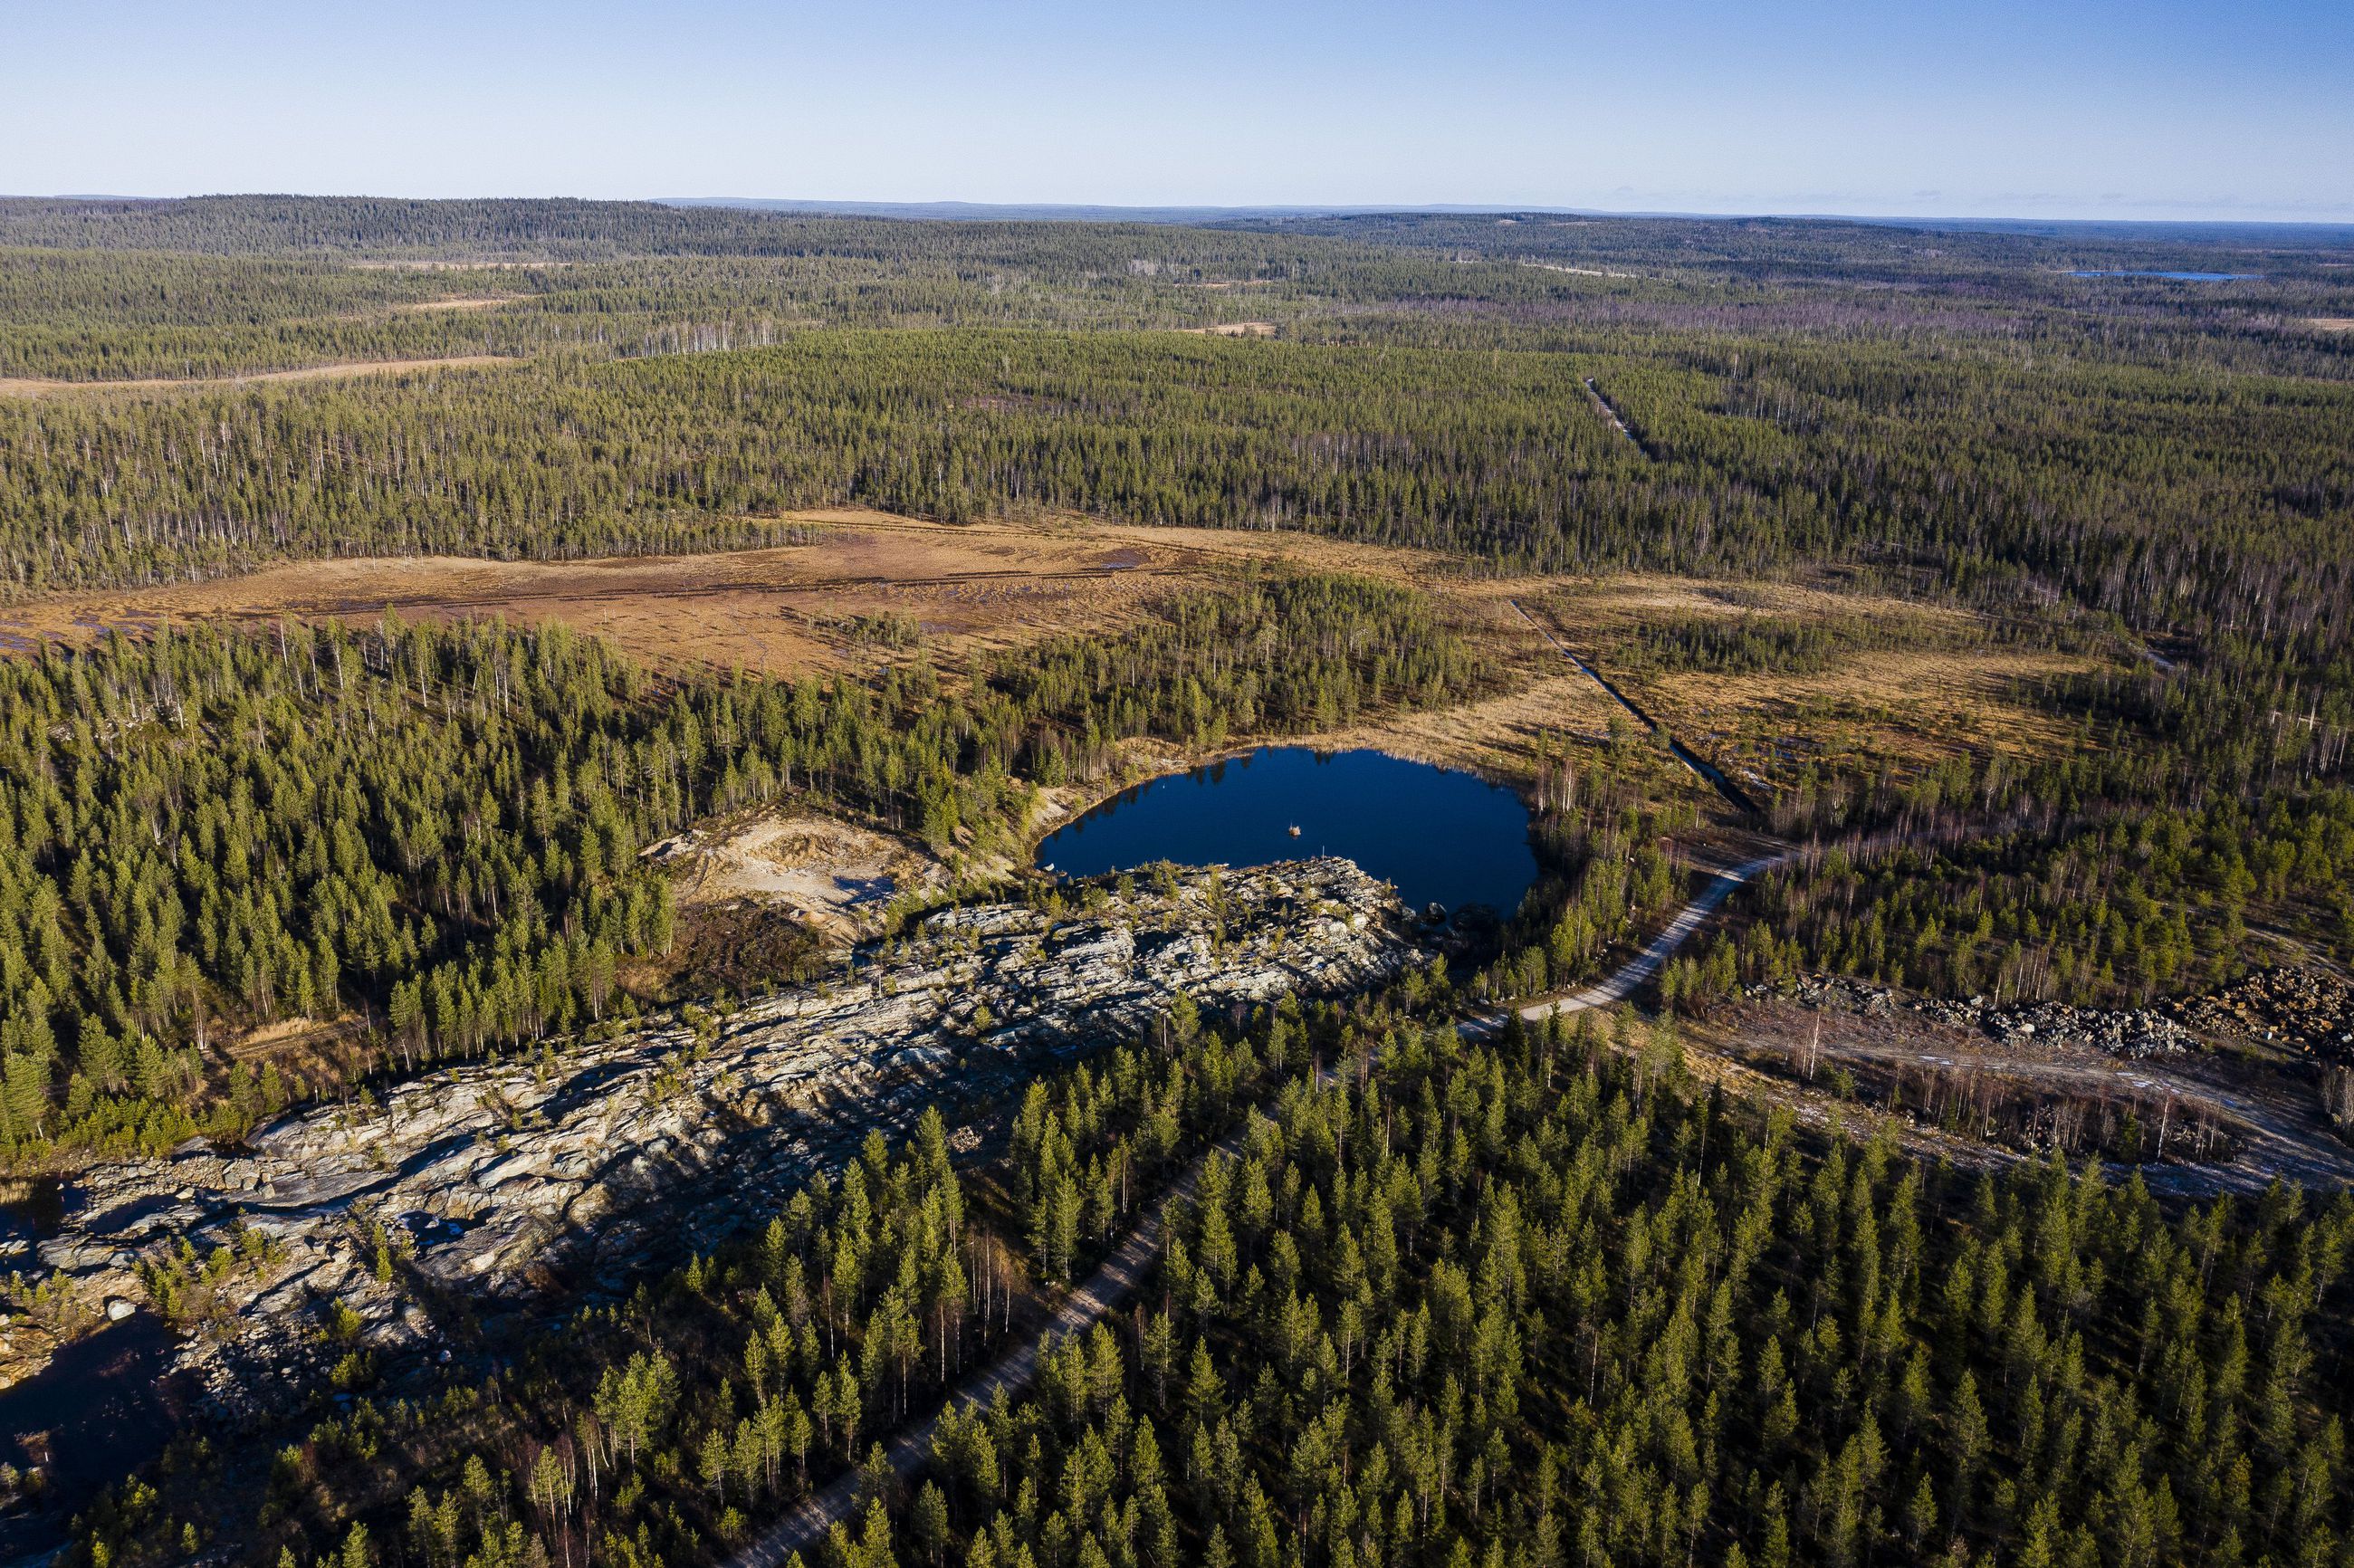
{"x":1440,"y":836}
{"x":2178,"y":276}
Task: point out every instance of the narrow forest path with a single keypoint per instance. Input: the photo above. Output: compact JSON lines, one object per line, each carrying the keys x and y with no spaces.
{"x":1616,"y":421}
{"x":44,"y":387}
{"x":911,"y":1447}
{"x":1708,"y":772}
{"x":1110,"y":1285}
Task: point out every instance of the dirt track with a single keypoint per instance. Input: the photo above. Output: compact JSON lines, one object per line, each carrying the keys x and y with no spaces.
{"x":23,"y":386}
{"x":2270,"y":1111}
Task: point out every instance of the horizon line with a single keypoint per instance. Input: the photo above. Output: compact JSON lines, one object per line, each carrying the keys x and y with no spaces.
{"x":1076,"y":209}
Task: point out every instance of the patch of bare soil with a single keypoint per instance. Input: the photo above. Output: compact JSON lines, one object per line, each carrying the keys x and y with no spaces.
{"x":832,"y":874}
{"x":2225,"y":1122}
{"x":476,"y":302}
{"x":308,"y":1050}
{"x":28,"y":387}
{"x":2330,"y":323}
{"x":1233,"y":329}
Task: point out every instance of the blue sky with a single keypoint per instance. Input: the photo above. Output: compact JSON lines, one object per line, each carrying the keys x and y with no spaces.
{"x":2157,"y":110}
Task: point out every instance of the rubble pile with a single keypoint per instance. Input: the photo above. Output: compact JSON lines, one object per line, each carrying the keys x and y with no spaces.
{"x":2302,"y":1009}
{"x":602,"y":1159}
{"x":2131,"y":1032}
{"x":2135,"y":1033}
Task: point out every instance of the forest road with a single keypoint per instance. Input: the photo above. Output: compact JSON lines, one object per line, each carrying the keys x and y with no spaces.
{"x":1117,"y":1277}
{"x":1623,"y":982}
{"x":1104,"y":1291}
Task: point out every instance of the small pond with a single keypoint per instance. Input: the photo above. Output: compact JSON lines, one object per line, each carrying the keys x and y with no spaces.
{"x":1441,"y":836}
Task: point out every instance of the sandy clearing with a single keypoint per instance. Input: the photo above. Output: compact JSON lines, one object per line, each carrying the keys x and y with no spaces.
{"x":28,"y":387}
{"x":1232,"y":329}
{"x":833,"y":874}
{"x":475,"y":302}
{"x":2331,"y":323}
{"x":1578,"y":272}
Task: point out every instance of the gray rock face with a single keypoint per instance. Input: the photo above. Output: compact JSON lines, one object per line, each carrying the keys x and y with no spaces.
{"x":596,"y":1160}
{"x":2135,"y":1033}
{"x":2300,"y":1008}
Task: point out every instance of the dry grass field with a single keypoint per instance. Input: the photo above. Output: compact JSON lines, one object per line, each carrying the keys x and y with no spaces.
{"x":777,"y":611}
{"x":475,"y":302}
{"x":1941,"y":687}
{"x":870,"y":588}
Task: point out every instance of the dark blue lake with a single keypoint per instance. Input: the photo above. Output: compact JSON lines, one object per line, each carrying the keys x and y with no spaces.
{"x":1441,"y":836}
{"x":2177,"y":276}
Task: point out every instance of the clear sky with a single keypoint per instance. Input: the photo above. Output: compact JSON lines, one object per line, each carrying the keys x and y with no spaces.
{"x":2032,"y":108}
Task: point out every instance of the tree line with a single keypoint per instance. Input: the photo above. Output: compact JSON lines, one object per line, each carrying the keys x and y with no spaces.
{"x":2116,"y":913}
{"x":2183,"y":505}
{"x":1542,"y":1299}
{"x":439,"y":828}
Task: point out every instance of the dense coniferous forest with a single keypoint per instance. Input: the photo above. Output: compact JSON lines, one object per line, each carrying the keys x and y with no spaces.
{"x":314,"y":280}
{"x":1487,"y":1298}
{"x":2179,"y":504}
{"x":2158,"y":903}
{"x":441,"y":827}
{"x":1538,"y":1301}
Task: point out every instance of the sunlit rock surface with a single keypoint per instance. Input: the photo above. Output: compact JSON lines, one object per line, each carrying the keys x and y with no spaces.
{"x":590,"y":1162}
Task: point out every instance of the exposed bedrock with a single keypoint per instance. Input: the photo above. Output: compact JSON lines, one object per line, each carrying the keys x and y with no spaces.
{"x":592,"y":1161}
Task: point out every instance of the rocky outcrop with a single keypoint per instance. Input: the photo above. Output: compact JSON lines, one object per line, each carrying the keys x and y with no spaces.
{"x":2135,"y":1033}
{"x":2306,"y":1009}
{"x":356,"y":1228}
